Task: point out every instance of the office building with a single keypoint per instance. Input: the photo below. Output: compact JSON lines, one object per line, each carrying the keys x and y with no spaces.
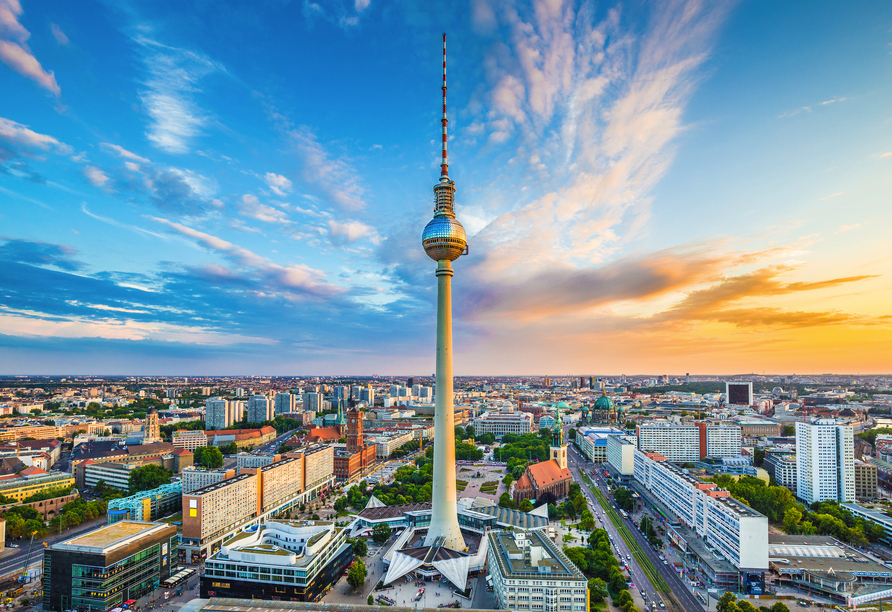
{"x":367,"y":394}
{"x":285,"y":402}
{"x":259,"y":409}
{"x":288,"y":560}
{"x":313,"y":401}
{"x":782,"y":466}
{"x":217,"y":413}
{"x":115,"y":475}
{"x":592,"y":442}
{"x":31,"y":481}
{"x":865,"y":481}
{"x":529,"y":572}
{"x":103,"y":568}
{"x":189,"y":439}
{"x":733,"y":530}
{"x":739,"y":393}
{"x":504,"y":421}
{"x":689,"y":442}
{"x":386,"y":444}
{"x":620,"y":455}
{"x":759,"y":428}
{"x":825,"y":461}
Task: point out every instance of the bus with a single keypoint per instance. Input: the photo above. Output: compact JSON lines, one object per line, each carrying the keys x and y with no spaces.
{"x":623,"y":514}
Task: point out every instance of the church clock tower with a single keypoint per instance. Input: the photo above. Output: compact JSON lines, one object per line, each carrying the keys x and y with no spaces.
{"x":558,"y":450}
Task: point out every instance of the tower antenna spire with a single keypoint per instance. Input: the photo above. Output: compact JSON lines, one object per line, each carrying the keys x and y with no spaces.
{"x":444,"y":165}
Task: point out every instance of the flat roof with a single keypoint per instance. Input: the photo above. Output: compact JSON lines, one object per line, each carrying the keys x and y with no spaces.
{"x":106,"y":538}
{"x":217,"y":604}
{"x":554,"y":565}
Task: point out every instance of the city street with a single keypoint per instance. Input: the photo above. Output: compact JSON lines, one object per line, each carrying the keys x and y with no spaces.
{"x":688,"y":601}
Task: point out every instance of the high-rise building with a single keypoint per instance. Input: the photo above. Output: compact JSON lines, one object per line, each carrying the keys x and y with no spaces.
{"x":340,"y":392}
{"x":444,"y":240}
{"x":240,"y":393}
{"x":410,"y":383}
{"x":313,"y":401}
{"x":284,"y":402}
{"x":739,"y":393}
{"x":825,"y":461}
{"x":865,"y":480}
{"x":258,"y":409}
{"x":367,"y":394}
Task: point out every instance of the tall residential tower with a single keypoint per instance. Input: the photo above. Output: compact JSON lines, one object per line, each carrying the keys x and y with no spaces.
{"x":444,"y":241}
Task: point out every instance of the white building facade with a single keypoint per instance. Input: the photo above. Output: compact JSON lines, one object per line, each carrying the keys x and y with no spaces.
{"x":825,"y":461}
{"x":217,"y":413}
{"x":734,"y":530}
{"x":505,"y":421}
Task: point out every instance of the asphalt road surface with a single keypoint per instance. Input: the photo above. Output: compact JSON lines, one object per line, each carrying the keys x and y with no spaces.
{"x":681,"y":592}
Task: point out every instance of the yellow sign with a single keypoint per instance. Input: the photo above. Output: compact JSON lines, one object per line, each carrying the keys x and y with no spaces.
{"x":222,"y":585}
{"x":193,"y":513}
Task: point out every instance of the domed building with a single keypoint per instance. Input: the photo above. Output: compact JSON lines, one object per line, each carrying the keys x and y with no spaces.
{"x":604,"y":410}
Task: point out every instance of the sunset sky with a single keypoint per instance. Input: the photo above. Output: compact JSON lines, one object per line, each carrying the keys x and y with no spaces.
{"x":201,"y":187}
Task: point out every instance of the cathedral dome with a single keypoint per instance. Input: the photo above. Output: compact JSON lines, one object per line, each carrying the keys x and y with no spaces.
{"x":603,"y":403}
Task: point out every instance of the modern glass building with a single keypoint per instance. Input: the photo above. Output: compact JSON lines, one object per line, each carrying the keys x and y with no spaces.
{"x":100,"y":570}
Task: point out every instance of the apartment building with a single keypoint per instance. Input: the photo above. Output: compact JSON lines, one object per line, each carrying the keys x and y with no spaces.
{"x":259,"y":409}
{"x":825,"y":461}
{"x":386,"y":444}
{"x":504,"y":421}
{"x":219,"y":510}
{"x":217,"y":413}
{"x":34,"y":480}
{"x":190,"y":440}
{"x":865,"y":480}
{"x":194,"y":478}
{"x":529,"y":572}
{"x":689,"y":442}
{"x":285,"y":402}
{"x":733,"y":530}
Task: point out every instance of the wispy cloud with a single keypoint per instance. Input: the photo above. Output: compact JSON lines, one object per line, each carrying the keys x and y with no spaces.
{"x":296,"y":280}
{"x":174,"y":76}
{"x":122,"y":152}
{"x":277,"y":183}
{"x":832,"y":195}
{"x":21,"y":136}
{"x":14,"y":51}
{"x":846,"y":228}
{"x":251,"y":207}
{"x":97,"y":177}
{"x":334,"y":178}
{"x":59,"y":35}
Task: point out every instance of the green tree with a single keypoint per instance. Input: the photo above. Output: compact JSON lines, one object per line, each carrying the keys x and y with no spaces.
{"x":381,"y":533}
{"x":505,"y":501}
{"x":147,"y":477}
{"x":597,"y":589}
{"x":586,"y":520}
{"x":370,"y":601}
{"x":790,"y":430}
{"x":727,"y":603}
{"x":229,"y":449}
{"x":360,"y":548}
{"x":208,"y":456}
{"x":356,"y":575}
{"x":525,"y":505}
{"x":508,"y":479}
{"x":791,"y":519}
{"x":571,"y":433}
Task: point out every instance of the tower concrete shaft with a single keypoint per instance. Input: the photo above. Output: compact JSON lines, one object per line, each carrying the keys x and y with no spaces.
{"x":444,"y":514}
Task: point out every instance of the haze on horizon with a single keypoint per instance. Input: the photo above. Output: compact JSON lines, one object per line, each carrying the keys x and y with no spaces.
{"x":656,"y":187}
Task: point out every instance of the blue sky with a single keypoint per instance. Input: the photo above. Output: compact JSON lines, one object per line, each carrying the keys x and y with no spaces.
{"x":216,"y":188}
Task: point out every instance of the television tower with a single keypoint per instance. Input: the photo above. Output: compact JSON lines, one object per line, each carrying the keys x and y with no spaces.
{"x":444,"y":241}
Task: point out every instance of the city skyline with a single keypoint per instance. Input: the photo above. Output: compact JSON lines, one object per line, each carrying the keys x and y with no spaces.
{"x":676,"y":187}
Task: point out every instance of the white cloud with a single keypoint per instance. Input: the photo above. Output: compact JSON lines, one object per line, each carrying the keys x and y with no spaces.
{"x":349,"y":232}
{"x":124,"y":152}
{"x":293,"y":279}
{"x":97,"y":177}
{"x":277,"y":183}
{"x":18,"y":134}
{"x":251,"y":207}
{"x":334,"y":178}
{"x":58,"y":34}
{"x":14,"y":51}
{"x":174,"y":75}
{"x":361,"y":5}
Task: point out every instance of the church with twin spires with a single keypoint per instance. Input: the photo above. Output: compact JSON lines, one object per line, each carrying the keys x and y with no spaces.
{"x":551,"y":476}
